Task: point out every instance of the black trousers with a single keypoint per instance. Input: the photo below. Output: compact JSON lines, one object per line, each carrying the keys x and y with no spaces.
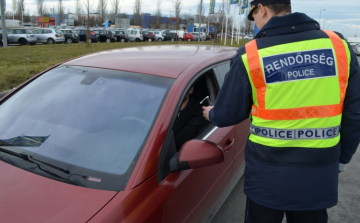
{"x":255,"y":213}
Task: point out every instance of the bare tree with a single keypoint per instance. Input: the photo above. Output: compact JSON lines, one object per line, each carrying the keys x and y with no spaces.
{"x":116,"y":8}
{"x":177,"y":10}
{"x":102,"y":9}
{"x":156,"y":22}
{"x":88,"y":7}
{"x":60,"y":11}
{"x":137,"y":11}
{"x":78,"y":9}
{"x":40,"y":7}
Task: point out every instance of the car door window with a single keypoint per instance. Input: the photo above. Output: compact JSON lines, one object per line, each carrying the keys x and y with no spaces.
{"x":221,"y":71}
{"x":205,"y":85}
{"x":10,"y":31}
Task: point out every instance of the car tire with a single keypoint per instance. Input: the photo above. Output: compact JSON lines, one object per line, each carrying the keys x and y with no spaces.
{"x":90,"y":41}
{"x":172,"y":40}
{"x":149,"y":40}
{"x":189,"y":40}
{"x":69,"y":41}
{"x":122,"y":40}
{"x":108,"y":40}
{"x":22,"y":42}
{"x":137,"y":40}
{"x":50,"y":41}
{"x":180,"y":39}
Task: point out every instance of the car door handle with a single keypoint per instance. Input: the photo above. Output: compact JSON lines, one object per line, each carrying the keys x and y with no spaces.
{"x":229,"y":143}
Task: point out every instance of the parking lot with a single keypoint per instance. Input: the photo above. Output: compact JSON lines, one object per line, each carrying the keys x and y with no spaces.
{"x":346,"y":211}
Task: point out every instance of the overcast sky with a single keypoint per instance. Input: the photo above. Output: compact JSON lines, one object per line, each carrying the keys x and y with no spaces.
{"x":342,"y":16}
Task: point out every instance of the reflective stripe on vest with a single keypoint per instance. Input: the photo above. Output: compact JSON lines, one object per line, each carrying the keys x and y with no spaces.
{"x":258,"y":80}
{"x":293,"y":134}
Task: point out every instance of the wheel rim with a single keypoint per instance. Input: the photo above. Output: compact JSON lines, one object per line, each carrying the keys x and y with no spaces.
{"x":122,"y":40}
{"x":69,"y":41}
{"x":108,"y":40}
{"x":189,"y":40}
{"x":149,"y":40}
{"x":159,"y":39}
{"x":50,"y":41}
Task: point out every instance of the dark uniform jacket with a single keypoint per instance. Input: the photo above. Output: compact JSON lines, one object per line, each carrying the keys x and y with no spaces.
{"x":290,"y":179}
{"x":189,"y":123}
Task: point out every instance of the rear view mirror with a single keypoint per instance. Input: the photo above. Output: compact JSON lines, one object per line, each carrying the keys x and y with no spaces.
{"x":195,"y":154}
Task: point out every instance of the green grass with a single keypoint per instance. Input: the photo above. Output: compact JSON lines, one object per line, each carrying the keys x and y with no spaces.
{"x":18,"y":64}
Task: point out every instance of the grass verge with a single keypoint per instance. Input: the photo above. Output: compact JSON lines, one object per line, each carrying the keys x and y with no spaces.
{"x":19,"y":63}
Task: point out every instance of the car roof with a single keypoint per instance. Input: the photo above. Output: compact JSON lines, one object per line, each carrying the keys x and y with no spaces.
{"x":167,"y":60}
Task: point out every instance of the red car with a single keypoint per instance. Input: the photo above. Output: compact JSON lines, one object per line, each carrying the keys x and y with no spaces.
{"x":188,"y":36}
{"x":91,"y":140}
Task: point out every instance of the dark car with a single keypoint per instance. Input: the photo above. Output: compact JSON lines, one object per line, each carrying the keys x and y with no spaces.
{"x":1,"y":40}
{"x":120,"y":35}
{"x":70,"y":36}
{"x":170,"y":36}
{"x":93,"y":38}
{"x":105,"y":35}
{"x":148,"y":36}
{"x":92,"y":140}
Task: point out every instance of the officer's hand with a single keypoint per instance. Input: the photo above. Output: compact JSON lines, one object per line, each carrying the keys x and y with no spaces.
{"x":206,"y":110}
{"x":341,"y":167}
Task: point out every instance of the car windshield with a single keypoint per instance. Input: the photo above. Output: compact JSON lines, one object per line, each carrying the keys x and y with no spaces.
{"x":28,"y":31}
{"x":93,"y":122}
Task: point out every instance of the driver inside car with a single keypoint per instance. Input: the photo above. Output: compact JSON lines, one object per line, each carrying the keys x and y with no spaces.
{"x":189,"y":122}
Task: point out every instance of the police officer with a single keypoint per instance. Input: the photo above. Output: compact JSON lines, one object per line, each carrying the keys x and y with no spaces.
{"x":301,"y":85}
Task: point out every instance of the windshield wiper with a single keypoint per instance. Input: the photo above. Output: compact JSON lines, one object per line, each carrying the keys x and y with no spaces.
{"x":40,"y":164}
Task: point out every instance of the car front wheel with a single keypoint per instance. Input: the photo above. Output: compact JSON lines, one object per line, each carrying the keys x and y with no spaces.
{"x":108,"y":40}
{"x":189,"y":40}
{"x":69,"y":41}
{"x":159,"y":40}
{"x":50,"y":41}
{"x":122,"y":40}
{"x":149,"y":40}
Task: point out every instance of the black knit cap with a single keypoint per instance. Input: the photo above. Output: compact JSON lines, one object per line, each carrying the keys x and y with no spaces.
{"x":254,"y":5}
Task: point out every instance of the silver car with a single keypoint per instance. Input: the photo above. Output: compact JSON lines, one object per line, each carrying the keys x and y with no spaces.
{"x":357,"y":49}
{"x":49,"y":36}
{"x":134,"y":35}
{"x":21,"y":36}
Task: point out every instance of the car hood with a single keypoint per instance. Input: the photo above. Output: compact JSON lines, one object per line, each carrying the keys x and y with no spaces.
{"x":27,"y":197}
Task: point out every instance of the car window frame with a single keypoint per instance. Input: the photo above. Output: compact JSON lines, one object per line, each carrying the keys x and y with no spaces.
{"x":169,"y":139}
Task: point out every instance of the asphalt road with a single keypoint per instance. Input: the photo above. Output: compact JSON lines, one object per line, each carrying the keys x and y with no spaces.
{"x":346,"y":211}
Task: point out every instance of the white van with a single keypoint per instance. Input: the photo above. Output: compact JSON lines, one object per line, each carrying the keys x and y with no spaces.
{"x":353,"y":41}
{"x":9,"y":23}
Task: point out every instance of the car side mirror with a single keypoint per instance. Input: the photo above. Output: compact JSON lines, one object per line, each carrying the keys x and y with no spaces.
{"x":196,"y":154}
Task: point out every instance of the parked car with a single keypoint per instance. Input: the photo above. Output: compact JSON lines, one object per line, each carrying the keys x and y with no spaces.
{"x":134,"y":35}
{"x":105,"y":35}
{"x":148,"y":36}
{"x":158,"y":35}
{"x":93,"y":38}
{"x":188,"y":36}
{"x":249,"y":37}
{"x":1,"y":40}
{"x":196,"y":36}
{"x":21,"y":36}
{"x":357,"y":49}
{"x":92,"y":140}
{"x":70,"y":36}
{"x":170,"y":36}
{"x":49,"y":36}
{"x":120,"y":35}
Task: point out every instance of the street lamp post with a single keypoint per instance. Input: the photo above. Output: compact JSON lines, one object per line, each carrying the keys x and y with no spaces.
{"x":320,"y":16}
